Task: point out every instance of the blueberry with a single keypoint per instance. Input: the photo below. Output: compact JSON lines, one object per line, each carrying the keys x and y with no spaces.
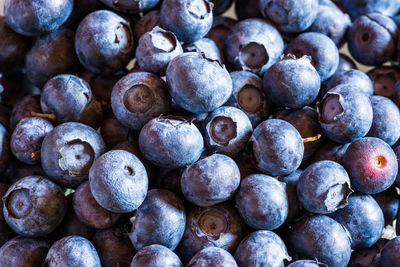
{"x":397,"y":153}
{"x":321,"y":49}
{"x":160,"y":220}
{"x":371,"y":165}
{"x":156,"y":49}
{"x":198,"y":84}
{"x":189,"y":20}
{"x":23,"y":251}
{"x":384,"y":79}
{"x":307,"y":263}
{"x":70,"y":98}
{"x":81,"y":9}
{"x":372,"y":39}
{"x":89,"y":211}
{"x":367,"y":257}
{"x":64,"y":253}
{"x":290,"y":15}
{"x":227,"y":130}
{"x":4,"y":148}
{"x":50,"y":55}
{"x":113,"y":132}
{"x":219,"y":29}
{"x":345,"y":63}
{"x":272,"y":204}
{"x":322,"y":238}
{"x":102,"y":86}
{"x":390,"y":255}
{"x":345,"y":114}
{"x":261,"y":248}
{"x":220,"y":6}
{"x":248,"y":95}
{"x":245,"y":9}
{"x":114,"y":247}
{"x":285,"y":147}
{"x":27,"y":139}
{"x":69,"y":151}
{"x":357,"y":8}
{"x":139,"y":97}
{"x":212,"y":256}
{"x":18,"y":170}
{"x":24,"y":108}
{"x":207,"y":47}
{"x":129,"y":6}
{"x":354,"y":77}
{"x":154,"y":256}
{"x":104,"y":42}
{"x":330,"y":151}
{"x":171,"y":143}
{"x":295,"y":209}
{"x":363,"y":218}
{"x":146,"y":24}
{"x":170,"y":179}
{"x":216,"y":226}
{"x":388,"y":200}
{"x":39,"y":16}
{"x":34,"y":206}
{"x":291,"y":82}
{"x":253,"y":45}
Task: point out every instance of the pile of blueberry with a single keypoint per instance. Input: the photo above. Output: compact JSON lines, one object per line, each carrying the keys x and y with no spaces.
{"x":162,"y":133}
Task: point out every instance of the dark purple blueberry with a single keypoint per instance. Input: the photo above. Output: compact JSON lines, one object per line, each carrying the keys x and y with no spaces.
{"x":330,"y":151}
{"x":345,"y":63}
{"x":216,"y":226}
{"x":4,"y":148}
{"x":139,"y":97}
{"x":17,"y":170}
{"x":371,"y":165}
{"x":290,"y":16}
{"x":307,"y":263}
{"x":81,"y":9}
{"x":322,"y":238}
{"x":388,"y":200}
{"x":155,"y":256}
{"x":64,"y":252}
{"x":188,"y":20}
{"x":356,"y":78}
{"x":24,"y":108}
{"x":295,"y":209}
{"x":207,"y":47}
{"x":321,"y":49}
{"x":15,"y":86}
{"x":248,"y":95}
{"x":114,"y":247}
{"x":89,"y":211}
{"x":102,"y":86}
{"x":50,"y":55}
{"x":39,"y":16}
{"x":363,"y":218}
{"x":219,"y":30}
{"x":221,"y":6}
{"x":170,"y":179}
{"x":212,"y":256}
{"x":146,"y":24}
{"x":27,"y":138}
{"x":198,"y":84}
{"x":171,"y":143}
{"x":272,"y":204}
{"x":69,"y":151}
{"x":367,"y":257}
{"x":130,"y":6}
{"x":246,"y":9}
{"x":261,"y":248}
{"x":357,"y":8}
{"x":245,"y":48}
{"x":113,"y":132}
{"x":390,"y":255}
{"x":159,"y":220}
{"x":397,"y":153}
{"x":345,"y":114}
{"x":23,"y":252}
{"x":285,"y":147}
{"x":211,"y":180}
{"x":384,"y":79}
{"x":104,"y":42}
{"x":34,"y":206}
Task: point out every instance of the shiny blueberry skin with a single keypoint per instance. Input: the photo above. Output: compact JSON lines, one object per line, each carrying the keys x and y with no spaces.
{"x":156,"y":49}
{"x":213,"y":256}
{"x":390,"y":255}
{"x":198,"y":84}
{"x":34,"y":206}
{"x":50,"y":55}
{"x":307,"y":263}
{"x":23,"y":252}
{"x":64,"y":253}
{"x":371,"y":165}
{"x":189,"y":20}
{"x":207,"y":47}
{"x":261,"y":248}
{"x":245,"y":48}
{"x":139,"y":97}
{"x":354,"y":77}
{"x":104,"y":42}
{"x":363,"y":218}
{"x":39,"y":16}
{"x":384,"y":79}
{"x":211,"y":180}
{"x":330,"y":151}
{"x":69,"y":151}
{"x":159,"y":220}
{"x":388,"y":200}
{"x":386,"y":121}
{"x":27,"y":139}
{"x":129,"y":6}
{"x":285,"y":147}
{"x":154,"y":256}
{"x":323,"y":238}
{"x":171,"y":143}
{"x":227,"y":130}
{"x":290,"y":15}
{"x":357,"y":8}
{"x":324,"y":187}
{"x":248,"y":95}
{"x":118,"y":181}
{"x":372,"y":39}
{"x":246,"y":9}
{"x":272,"y":204}
{"x":323,"y":51}
{"x":216,"y":226}
{"x":345,"y":114}
{"x":23,"y":109}
{"x":291,"y":82}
